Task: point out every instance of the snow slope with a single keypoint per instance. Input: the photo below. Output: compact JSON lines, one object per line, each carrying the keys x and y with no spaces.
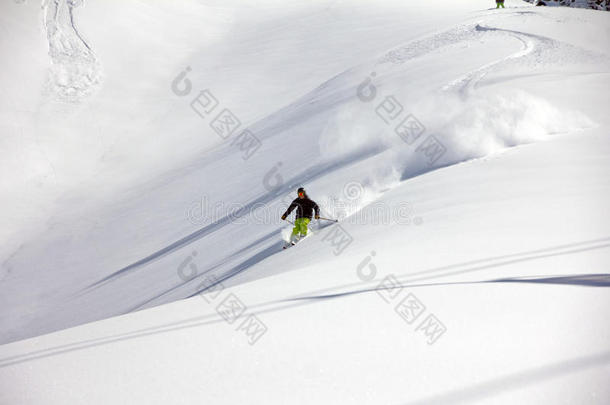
{"x":494,"y":218}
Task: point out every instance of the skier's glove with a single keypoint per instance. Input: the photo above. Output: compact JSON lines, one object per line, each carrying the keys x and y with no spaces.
{"x":317,"y":217}
{"x":283,"y":217}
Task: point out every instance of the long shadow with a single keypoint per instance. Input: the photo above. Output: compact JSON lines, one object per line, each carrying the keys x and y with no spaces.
{"x":260,"y":256}
{"x":482,"y":264}
{"x":517,"y":380}
{"x":583,"y":280}
{"x":215,"y":266}
{"x":269,"y":307}
{"x":513,"y":261}
{"x":283,"y":304}
{"x":154,"y":330}
{"x":589,"y":280}
{"x":307,"y":176}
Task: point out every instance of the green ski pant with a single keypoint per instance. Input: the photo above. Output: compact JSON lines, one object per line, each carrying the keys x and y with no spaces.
{"x":499,"y":4}
{"x":300,"y":226}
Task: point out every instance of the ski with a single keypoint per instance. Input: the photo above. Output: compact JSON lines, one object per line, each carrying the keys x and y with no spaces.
{"x":290,"y":244}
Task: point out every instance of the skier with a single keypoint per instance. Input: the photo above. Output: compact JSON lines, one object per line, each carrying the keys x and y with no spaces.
{"x":499,"y":3}
{"x":305,"y":210}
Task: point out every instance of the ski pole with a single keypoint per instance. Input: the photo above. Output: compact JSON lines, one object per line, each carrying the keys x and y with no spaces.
{"x":328,"y":219}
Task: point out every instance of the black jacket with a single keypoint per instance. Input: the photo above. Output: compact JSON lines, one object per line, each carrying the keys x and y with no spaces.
{"x":305,"y":208}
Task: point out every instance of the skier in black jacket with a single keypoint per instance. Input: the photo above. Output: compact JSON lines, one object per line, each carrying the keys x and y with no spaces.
{"x":305,"y":210}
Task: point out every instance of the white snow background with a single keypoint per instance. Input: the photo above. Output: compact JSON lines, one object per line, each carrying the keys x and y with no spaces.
{"x":464,"y":149}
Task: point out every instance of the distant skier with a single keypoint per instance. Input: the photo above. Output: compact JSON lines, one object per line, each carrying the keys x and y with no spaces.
{"x":499,"y":3}
{"x":305,"y":210}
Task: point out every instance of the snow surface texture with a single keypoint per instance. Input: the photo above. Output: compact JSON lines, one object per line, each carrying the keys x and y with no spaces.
{"x":593,"y":4}
{"x":74,"y":71}
{"x":465,"y":150}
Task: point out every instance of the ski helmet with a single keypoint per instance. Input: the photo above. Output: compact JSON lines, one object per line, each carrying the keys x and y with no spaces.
{"x":301,"y":190}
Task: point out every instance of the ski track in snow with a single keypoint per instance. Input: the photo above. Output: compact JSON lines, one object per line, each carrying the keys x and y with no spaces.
{"x":75,"y":71}
{"x":538,"y":52}
{"x":307,"y":176}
